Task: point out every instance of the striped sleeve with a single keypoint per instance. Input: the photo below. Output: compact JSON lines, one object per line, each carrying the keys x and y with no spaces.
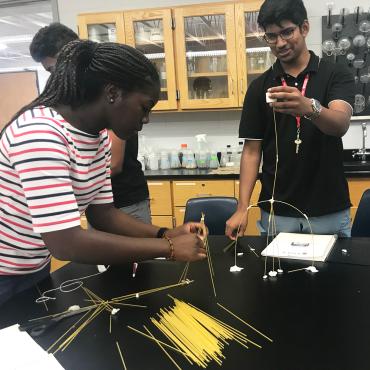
{"x":39,"y":154}
{"x":105,"y":194}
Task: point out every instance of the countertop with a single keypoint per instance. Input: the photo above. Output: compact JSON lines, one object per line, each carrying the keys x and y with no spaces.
{"x":352,"y":169}
{"x":317,"y":321}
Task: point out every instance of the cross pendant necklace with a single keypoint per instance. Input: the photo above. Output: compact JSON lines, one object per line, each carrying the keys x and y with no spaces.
{"x":298,"y":140}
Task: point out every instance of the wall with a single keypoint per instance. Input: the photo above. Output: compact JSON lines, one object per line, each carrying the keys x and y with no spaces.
{"x":168,"y":130}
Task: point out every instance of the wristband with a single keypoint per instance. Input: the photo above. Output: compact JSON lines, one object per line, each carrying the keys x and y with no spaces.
{"x":171,"y":257}
{"x":161,"y":232}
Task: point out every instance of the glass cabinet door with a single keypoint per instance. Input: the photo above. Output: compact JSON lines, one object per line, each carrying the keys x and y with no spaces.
{"x":206,"y":56}
{"x":254,"y":55}
{"x":103,"y":27}
{"x":151,"y":33}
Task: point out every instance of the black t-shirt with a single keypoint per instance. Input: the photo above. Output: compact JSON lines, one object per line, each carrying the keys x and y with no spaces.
{"x":129,"y":186}
{"x":312,"y":180}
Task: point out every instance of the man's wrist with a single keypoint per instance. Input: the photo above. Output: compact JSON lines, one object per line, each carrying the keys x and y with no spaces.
{"x":315,"y":110}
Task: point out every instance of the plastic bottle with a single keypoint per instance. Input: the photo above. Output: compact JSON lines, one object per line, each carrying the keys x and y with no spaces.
{"x":164,"y":162}
{"x":153,"y":161}
{"x":190,"y":160}
{"x":213,"y":162}
{"x":174,"y":159}
{"x":182,"y":151}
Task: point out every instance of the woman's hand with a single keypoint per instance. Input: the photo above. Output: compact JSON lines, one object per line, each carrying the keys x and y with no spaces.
{"x":188,"y":248}
{"x":188,"y":228}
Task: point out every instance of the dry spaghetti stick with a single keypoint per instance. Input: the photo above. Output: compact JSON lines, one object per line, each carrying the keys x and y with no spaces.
{"x":70,"y":339}
{"x":162,"y":348}
{"x":59,"y":313}
{"x":110,"y":324}
{"x":184,"y":273}
{"x":145,"y":292}
{"x":304,"y":268}
{"x":163,"y":343}
{"x":244,"y":322}
{"x":120,"y":354}
{"x":130,"y":305}
{"x":72,"y":327}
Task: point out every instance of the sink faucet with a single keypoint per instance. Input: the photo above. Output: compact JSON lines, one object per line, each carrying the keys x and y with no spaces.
{"x":362,"y":152}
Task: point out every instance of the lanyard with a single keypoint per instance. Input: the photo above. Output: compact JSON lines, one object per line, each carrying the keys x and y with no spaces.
{"x":303,"y":92}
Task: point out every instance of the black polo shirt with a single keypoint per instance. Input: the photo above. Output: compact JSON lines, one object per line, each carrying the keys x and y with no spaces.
{"x":312,"y":180}
{"x":130,"y":186}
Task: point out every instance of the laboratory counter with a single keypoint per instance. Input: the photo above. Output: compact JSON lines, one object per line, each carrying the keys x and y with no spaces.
{"x":316,"y":321}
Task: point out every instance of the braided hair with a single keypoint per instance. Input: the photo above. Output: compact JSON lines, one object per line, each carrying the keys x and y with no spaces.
{"x":84,"y":68}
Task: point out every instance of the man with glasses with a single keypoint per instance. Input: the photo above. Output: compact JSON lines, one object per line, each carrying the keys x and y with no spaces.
{"x":311,"y":107}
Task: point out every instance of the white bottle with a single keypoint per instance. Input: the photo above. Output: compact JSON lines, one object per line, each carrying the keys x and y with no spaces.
{"x":164,"y":162}
{"x":153,"y":161}
{"x":190,"y":160}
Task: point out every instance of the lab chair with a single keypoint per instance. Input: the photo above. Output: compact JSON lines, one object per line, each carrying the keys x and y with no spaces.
{"x":361,"y":223}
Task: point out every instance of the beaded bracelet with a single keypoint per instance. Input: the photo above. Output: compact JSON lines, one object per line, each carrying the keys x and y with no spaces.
{"x":171,"y":257}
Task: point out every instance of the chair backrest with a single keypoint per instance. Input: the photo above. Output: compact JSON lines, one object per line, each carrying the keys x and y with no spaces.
{"x":217,"y":211}
{"x":361,"y":223}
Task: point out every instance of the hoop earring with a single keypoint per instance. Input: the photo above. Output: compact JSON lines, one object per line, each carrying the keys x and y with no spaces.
{"x":111,"y":100}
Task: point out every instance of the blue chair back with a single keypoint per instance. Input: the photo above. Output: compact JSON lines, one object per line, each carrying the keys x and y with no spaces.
{"x":217,"y":211}
{"x":361,"y":223}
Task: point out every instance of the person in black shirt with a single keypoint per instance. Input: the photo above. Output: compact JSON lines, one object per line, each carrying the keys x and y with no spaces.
{"x":313,"y":111}
{"x":130,"y":189}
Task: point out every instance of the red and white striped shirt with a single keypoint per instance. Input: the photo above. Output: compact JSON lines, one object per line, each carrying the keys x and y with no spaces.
{"x":49,"y":173}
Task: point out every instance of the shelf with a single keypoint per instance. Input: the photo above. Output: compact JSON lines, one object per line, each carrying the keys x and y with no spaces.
{"x":205,"y":38}
{"x":258,"y":49}
{"x":255,"y":71}
{"x":254,"y":35}
{"x":148,"y":42}
{"x":205,"y":53}
{"x":207,"y":74}
{"x":155,"y":56}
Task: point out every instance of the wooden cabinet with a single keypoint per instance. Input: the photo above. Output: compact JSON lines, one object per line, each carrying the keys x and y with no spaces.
{"x":102,"y":27}
{"x":254,"y":213}
{"x":150,"y":31}
{"x":205,"y":56}
{"x":356,"y":189}
{"x":184,"y":190}
{"x":179,"y":213}
{"x":161,"y":203}
{"x":253,"y":54}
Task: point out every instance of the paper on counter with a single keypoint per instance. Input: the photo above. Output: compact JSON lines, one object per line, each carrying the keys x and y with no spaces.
{"x":310,"y":247}
{"x":18,"y":351}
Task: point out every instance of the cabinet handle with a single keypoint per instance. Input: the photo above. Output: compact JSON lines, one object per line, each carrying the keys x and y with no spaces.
{"x":232,"y":86}
{"x":204,"y":195}
{"x":242,"y":86}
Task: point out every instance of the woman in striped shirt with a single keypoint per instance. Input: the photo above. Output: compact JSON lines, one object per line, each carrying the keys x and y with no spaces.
{"x":55,"y":165}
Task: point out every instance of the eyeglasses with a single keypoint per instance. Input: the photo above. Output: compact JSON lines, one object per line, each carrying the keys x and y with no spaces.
{"x":286,"y":34}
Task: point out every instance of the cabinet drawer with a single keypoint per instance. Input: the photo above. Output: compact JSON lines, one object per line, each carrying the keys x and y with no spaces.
{"x":160,"y":198}
{"x":356,"y":189}
{"x":184,"y":190}
{"x":56,"y":264}
{"x":163,"y":221}
{"x":254,"y":215}
{"x":179,"y":215}
{"x":83,"y":221}
{"x":255,"y":193}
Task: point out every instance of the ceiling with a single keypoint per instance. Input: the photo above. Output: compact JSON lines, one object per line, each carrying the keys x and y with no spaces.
{"x":19,"y":21}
